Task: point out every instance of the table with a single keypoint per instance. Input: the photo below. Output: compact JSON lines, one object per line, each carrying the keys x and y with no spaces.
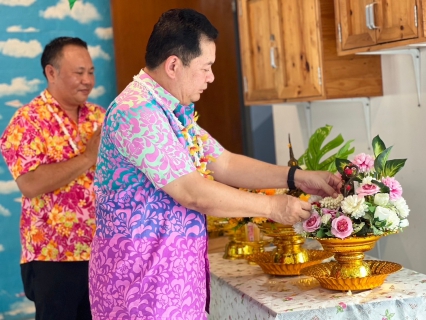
{"x":243,"y":291}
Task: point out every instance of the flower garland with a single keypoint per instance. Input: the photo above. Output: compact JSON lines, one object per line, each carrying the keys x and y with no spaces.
{"x":195,"y":143}
{"x":61,"y":123}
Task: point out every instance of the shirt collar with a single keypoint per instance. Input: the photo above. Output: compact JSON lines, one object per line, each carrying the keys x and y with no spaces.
{"x":167,"y":100}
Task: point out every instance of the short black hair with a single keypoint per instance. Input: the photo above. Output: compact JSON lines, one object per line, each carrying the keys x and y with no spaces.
{"x":178,"y":32}
{"x":53,"y":50}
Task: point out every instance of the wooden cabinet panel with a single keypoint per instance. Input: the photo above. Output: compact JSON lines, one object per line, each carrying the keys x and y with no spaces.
{"x":370,"y":25}
{"x":301,"y":52}
{"x":397,"y":20}
{"x":261,"y":70}
{"x":289,"y":54}
{"x":353,"y":24}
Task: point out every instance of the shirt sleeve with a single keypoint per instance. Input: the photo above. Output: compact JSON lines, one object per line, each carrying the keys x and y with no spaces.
{"x":22,"y":145}
{"x":211,"y":146}
{"x":145,"y":138}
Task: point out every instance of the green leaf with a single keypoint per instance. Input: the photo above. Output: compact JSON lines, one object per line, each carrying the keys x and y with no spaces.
{"x":380,"y":162}
{"x":383,"y":188}
{"x":341,"y":164}
{"x":392,"y":167}
{"x":72,"y":2}
{"x":330,"y":146}
{"x":378,"y":146}
{"x":320,"y":233}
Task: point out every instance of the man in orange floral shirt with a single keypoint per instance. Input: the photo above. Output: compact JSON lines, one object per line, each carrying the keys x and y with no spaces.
{"x":50,"y":147}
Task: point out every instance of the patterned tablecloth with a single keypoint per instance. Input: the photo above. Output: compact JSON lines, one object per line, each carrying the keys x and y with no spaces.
{"x":243,"y":291}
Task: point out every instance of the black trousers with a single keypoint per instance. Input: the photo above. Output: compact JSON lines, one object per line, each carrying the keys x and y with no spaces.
{"x":60,"y":290}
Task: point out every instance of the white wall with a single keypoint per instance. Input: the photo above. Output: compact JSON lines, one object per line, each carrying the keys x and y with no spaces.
{"x":399,"y":122}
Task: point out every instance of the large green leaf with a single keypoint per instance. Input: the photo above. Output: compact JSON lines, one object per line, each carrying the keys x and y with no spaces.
{"x":72,"y":2}
{"x":392,"y":167}
{"x":315,"y":152}
{"x":341,"y":164}
{"x":380,"y":162}
{"x":378,"y":146}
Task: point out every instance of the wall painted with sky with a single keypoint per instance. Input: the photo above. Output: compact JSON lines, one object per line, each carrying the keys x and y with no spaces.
{"x":26,"y":26}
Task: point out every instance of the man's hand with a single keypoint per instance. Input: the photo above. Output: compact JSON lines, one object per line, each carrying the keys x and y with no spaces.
{"x":289,"y":210}
{"x":92,"y":146}
{"x":321,"y":183}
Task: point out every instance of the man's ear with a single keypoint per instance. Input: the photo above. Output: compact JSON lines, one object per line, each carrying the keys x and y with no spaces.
{"x":51,"y":73}
{"x":171,"y":66}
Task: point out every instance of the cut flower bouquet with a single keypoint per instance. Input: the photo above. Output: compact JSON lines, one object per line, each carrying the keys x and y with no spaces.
{"x":370,"y":202}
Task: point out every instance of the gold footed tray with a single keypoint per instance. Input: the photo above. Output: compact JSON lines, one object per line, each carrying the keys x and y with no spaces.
{"x":379,"y":271}
{"x":266,"y":261}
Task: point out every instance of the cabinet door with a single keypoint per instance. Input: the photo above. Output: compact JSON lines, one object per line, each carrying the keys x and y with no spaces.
{"x":261,"y":71}
{"x":301,"y":47}
{"x":396,"y":20}
{"x":352,"y":15}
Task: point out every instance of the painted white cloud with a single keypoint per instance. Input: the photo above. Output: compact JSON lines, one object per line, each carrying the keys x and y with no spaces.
{"x":14,"y":104}
{"x":19,"y":200}
{"x":81,"y":12}
{"x":12,"y":3}
{"x":97,"y":92}
{"x":4,"y":212}
{"x":20,"y":49}
{"x":104,"y":33}
{"x":20,"y":29}
{"x":97,"y":52}
{"x":19,"y":86}
{"x":22,"y":307}
{"x":7,"y":187}
{"x":1,"y":248}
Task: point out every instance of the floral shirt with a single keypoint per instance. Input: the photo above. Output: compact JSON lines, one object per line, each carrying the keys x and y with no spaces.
{"x":59,"y":225}
{"x":149,"y":253}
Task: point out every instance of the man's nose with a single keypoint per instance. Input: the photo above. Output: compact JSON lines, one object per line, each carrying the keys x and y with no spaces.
{"x":210,"y":77}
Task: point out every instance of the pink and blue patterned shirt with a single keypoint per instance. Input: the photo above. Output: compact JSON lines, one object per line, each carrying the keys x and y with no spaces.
{"x":149,"y":254}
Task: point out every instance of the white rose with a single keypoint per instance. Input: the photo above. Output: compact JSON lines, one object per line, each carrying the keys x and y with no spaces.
{"x":354,"y":205}
{"x":393,"y":221}
{"x":325,"y":218}
{"x":388,"y":215}
{"x":366,"y":180}
{"x":403,"y":223}
{"x":381,"y":199}
{"x":401,"y":207}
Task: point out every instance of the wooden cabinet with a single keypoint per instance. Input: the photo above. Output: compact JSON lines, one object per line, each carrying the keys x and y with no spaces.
{"x":367,"y":25}
{"x":288,"y":53}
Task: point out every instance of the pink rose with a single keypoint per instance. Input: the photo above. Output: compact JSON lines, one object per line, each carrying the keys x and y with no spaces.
{"x":313,"y":223}
{"x":365,"y":162}
{"x":367,"y":190}
{"x":394,"y":186}
{"x":329,"y":211}
{"x":341,"y":227}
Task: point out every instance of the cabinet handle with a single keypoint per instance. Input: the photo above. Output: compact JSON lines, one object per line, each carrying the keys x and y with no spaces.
{"x":372,"y":25}
{"x":272,"y":57}
{"x":367,"y":16}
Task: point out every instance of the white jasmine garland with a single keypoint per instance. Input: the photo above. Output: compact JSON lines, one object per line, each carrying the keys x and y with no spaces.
{"x":355,"y":206}
{"x":381,"y":199}
{"x":298,"y":228}
{"x":325,"y":218}
{"x":402,"y":207}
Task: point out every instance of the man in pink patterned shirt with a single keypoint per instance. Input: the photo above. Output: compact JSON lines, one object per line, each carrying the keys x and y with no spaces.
{"x":50,"y":147}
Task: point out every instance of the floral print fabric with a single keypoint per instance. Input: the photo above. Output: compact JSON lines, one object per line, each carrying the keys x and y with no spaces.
{"x":59,"y":225}
{"x":149,"y":254}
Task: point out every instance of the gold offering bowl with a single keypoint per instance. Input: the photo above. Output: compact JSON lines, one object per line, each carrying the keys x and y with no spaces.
{"x":288,"y":243}
{"x":266,"y":261}
{"x":238,"y":247}
{"x":349,"y":254}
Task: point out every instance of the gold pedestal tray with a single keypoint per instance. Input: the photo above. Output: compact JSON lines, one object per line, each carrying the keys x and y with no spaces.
{"x":237,"y":249}
{"x":266,"y":261}
{"x":379,"y":270}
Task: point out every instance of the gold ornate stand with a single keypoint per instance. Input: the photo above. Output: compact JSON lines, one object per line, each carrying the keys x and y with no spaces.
{"x":238,"y":248}
{"x":351,"y":271}
{"x":289,"y":257}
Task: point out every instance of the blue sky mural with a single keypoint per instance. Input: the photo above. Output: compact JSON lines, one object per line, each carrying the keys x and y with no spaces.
{"x":26,"y":27}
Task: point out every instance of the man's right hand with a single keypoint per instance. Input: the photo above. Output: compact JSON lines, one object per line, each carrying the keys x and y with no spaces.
{"x":92,"y":146}
{"x":289,"y":210}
